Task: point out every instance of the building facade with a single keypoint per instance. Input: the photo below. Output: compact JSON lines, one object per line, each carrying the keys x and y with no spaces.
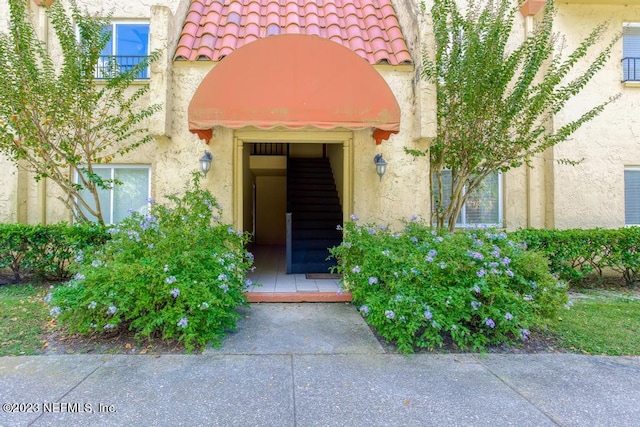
{"x":257,"y":82}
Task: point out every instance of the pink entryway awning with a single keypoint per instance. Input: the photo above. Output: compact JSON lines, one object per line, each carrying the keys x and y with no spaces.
{"x":294,"y":81}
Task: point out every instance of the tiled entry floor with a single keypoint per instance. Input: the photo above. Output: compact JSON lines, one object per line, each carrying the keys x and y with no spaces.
{"x":278,"y":286}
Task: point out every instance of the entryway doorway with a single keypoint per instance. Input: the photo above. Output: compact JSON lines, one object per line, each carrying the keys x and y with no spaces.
{"x":295,"y":203}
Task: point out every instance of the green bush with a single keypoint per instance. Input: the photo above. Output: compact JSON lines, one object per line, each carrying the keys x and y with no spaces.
{"x":45,"y":251}
{"x":419,"y":288}
{"x":576,"y":253}
{"x":175,"y":273}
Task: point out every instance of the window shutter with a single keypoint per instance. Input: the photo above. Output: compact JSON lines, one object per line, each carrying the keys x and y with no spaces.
{"x":632,"y":197}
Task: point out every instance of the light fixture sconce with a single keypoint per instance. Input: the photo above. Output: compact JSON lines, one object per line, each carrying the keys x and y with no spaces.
{"x":205,"y":162}
{"x":381,"y":165}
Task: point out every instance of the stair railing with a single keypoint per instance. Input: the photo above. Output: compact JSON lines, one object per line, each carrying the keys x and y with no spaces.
{"x":289,"y":242}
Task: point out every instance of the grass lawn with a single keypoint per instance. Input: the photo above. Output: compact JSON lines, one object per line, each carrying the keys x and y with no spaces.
{"x":23,"y":317}
{"x":602,"y":322}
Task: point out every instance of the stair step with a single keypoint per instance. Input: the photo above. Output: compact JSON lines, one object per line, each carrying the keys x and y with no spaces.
{"x":314,"y":200}
{"x":316,"y":215}
{"x":315,"y":208}
{"x":319,"y":244}
{"x":334,"y":234}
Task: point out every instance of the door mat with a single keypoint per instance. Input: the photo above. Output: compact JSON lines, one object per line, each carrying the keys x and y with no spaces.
{"x":316,"y":276}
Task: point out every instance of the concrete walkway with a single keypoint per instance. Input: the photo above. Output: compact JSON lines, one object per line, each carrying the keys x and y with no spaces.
{"x":318,"y":365}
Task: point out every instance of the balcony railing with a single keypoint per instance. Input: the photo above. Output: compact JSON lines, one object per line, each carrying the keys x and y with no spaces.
{"x":110,"y":66}
{"x":630,"y":69}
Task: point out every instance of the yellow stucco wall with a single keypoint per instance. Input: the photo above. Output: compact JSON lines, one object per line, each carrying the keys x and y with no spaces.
{"x":551,"y":194}
{"x":592,"y":193}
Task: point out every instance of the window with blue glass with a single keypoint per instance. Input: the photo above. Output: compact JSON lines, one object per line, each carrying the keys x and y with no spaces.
{"x":631,"y":52}
{"x":129,"y":44}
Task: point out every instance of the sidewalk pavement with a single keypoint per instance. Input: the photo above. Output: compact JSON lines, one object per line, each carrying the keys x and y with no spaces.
{"x":318,"y":365}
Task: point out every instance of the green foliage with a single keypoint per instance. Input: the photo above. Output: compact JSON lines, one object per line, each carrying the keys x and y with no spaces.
{"x":494,"y":104}
{"x":55,"y":120}
{"x":420,"y":288}
{"x":577,"y":253}
{"x":175,"y":272}
{"x":45,"y":251}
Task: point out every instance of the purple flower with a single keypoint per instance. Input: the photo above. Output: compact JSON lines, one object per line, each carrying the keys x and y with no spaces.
{"x":79,"y":276}
{"x":371,"y":230}
{"x":508,"y":316}
{"x":55,"y":311}
{"x":364,"y":309}
{"x":476,"y":289}
{"x":443,"y":265}
{"x":481,"y":272}
{"x":171,"y":279}
{"x":373,"y":280}
{"x":475,"y":255}
{"x":230,"y":230}
{"x":489,"y":322}
{"x":386,"y":252}
{"x":383,"y":227}
{"x":182,"y":322}
{"x":524,"y":334}
{"x":475,"y":304}
{"x":222,"y":277}
{"x":96,"y":263}
{"x":108,"y":326}
{"x":175,"y":292}
{"x":493,"y":264}
{"x":505,"y":261}
{"x":428,"y":258}
{"x":428,"y":315}
{"x":80,"y":256}
{"x":224,"y":287}
{"x":112,"y":310}
{"x":338,"y":227}
{"x":389,"y":314}
{"x":432,"y":253}
{"x":248,"y":282}
{"x":354,"y":217}
{"x":509,"y":273}
{"x":528,"y":298}
{"x":151,"y":201}
{"x":92,"y":305}
{"x":355,"y":269}
{"x":414,"y":239}
{"x":414,"y":218}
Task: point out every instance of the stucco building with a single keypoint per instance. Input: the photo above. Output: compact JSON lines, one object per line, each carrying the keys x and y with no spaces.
{"x":258,"y":82}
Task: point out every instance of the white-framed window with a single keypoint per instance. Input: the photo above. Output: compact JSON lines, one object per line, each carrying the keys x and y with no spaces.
{"x":484,"y":205}
{"x":120,"y":200}
{"x":631,"y":52}
{"x":128,"y":46}
{"x":632,"y":195}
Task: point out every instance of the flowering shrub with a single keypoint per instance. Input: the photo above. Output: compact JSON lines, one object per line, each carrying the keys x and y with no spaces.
{"x":418,"y":287}
{"x":174,"y":272}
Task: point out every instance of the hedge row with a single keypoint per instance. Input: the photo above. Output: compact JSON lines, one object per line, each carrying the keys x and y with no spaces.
{"x":45,"y":251}
{"x":576,"y":253}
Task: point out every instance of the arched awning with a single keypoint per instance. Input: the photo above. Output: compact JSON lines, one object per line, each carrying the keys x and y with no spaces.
{"x":294,"y":81}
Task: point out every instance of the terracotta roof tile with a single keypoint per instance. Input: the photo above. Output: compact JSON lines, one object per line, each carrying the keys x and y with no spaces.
{"x":215,"y":28}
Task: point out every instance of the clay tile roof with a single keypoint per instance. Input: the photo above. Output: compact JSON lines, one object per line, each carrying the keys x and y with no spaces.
{"x":215,"y":28}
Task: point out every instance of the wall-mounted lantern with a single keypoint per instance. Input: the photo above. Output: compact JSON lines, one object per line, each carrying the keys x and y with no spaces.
{"x":381,"y":165}
{"x":205,"y":162}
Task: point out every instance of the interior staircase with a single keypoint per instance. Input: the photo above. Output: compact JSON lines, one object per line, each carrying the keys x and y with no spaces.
{"x":313,"y":201}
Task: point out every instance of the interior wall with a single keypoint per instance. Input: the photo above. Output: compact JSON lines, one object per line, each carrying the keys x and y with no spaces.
{"x":305,"y":150}
{"x":271,"y":205}
{"x":248,"y":181}
{"x":335,"y":152}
